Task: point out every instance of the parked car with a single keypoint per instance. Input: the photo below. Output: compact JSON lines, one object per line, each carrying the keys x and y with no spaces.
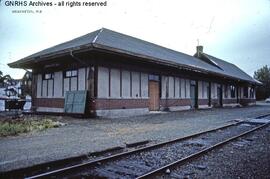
{"x":267,"y":100}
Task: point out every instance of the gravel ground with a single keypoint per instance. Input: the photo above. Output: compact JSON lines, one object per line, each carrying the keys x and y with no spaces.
{"x":83,"y":136}
{"x":247,"y":157}
{"x":139,"y":163}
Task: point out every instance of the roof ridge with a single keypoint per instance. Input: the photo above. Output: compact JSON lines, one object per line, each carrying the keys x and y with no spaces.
{"x":219,"y":59}
{"x":151,"y":43}
{"x":96,"y":37}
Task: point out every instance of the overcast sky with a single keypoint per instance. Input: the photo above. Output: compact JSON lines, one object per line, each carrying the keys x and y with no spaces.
{"x":236,"y":31}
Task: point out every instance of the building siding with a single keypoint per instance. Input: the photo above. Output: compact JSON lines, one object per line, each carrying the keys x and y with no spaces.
{"x":120,"y":89}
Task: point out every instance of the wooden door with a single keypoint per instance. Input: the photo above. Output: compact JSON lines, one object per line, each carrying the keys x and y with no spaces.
{"x":153,"y":96}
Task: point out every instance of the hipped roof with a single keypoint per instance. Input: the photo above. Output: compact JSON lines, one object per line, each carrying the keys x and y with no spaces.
{"x":113,"y":41}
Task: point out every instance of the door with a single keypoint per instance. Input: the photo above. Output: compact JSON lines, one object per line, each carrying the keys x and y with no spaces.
{"x":193,"y":96}
{"x":153,"y":95}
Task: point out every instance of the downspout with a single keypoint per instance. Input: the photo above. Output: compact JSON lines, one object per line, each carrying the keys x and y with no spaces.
{"x":86,"y":110}
{"x":77,"y":59}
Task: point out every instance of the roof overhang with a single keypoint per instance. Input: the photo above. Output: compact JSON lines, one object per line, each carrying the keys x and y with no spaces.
{"x":27,"y":62}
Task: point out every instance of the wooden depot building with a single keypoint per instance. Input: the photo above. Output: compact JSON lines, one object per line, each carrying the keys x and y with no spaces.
{"x":106,"y":73}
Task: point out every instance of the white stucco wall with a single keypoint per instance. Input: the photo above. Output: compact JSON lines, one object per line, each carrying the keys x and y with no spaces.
{"x":103,"y":82}
{"x":125,"y":84}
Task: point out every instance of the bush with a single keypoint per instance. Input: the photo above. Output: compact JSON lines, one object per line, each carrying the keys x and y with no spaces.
{"x":15,"y":127}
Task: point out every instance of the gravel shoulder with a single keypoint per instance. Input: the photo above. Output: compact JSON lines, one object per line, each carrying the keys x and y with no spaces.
{"x":81,"y":136}
{"x":247,"y":157}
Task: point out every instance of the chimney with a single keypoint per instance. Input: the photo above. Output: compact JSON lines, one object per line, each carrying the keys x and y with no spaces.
{"x":199,"y":50}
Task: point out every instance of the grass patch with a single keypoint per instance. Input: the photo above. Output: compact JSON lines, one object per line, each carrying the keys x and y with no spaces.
{"x":15,"y":127}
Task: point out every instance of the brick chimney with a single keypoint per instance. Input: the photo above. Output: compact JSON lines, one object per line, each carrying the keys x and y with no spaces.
{"x":199,"y":50}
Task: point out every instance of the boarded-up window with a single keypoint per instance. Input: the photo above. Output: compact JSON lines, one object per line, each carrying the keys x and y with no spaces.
{"x":188,"y":88}
{"x":103,"y":82}
{"x":81,"y":78}
{"x":115,"y":83}
{"x":251,"y":92}
{"x":126,"y":84}
{"x":144,"y":85}
{"x":164,"y":87}
{"x":66,"y":85}
{"x":200,"y":89}
{"x":39,"y":83}
{"x":232,"y":91}
{"x":183,"y":88}
{"x":213,"y":90}
{"x":58,"y":88}
{"x":225,"y":91}
{"x":171,"y":87}
{"x":50,"y":88}
{"x":135,"y":84}
{"x":176,"y":90}
{"x":245,"y":92}
{"x":73,"y":84}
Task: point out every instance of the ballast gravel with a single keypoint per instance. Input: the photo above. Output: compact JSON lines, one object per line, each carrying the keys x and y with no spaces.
{"x":82,"y":136}
{"x":247,"y":157}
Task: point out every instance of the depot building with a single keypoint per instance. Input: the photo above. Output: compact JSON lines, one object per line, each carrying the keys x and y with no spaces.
{"x":106,"y":73}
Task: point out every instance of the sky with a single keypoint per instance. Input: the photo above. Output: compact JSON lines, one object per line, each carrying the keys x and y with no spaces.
{"x":237,"y":31}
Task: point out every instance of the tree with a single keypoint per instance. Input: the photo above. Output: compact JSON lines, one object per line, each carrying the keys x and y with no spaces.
{"x":1,"y":78}
{"x":263,"y":75}
{"x":6,"y":79}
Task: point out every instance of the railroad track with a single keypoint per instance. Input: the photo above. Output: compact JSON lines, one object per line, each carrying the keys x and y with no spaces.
{"x":149,"y":161}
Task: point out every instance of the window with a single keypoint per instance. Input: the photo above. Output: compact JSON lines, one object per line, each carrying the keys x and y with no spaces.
{"x":71,"y":73}
{"x":232,"y":91}
{"x":47,"y":76}
{"x":47,"y":84}
{"x":154,"y":77}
